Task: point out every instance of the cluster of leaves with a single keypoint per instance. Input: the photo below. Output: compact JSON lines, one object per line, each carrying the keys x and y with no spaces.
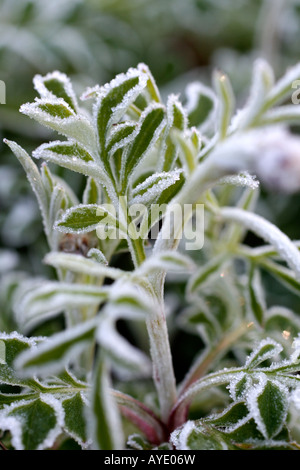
{"x":133,"y":149}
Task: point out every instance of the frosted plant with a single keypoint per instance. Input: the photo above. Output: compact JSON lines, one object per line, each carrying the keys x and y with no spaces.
{"x":113,"y":362}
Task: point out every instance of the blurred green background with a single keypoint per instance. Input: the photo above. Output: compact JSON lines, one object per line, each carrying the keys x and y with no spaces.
{"x":92,"y":40}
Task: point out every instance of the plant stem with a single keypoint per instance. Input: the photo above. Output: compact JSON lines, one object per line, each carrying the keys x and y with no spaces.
{"x":163,"y":373}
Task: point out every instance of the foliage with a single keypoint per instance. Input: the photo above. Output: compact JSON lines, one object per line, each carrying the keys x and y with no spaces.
{"x":109,"y":361}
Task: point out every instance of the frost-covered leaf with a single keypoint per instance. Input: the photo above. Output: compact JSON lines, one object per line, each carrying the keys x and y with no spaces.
{"x":59,"y":116}
{"x":194,"y":436}
{"x":118,"y":349}
{"x":86,"y":218}
{"x":168,"y":261}
{"x":12,"y":345}
{"x":56,"y":84}
{"x":120,"y":136}
{"x":72,"y":156}
{"x":126,"y":302}
{"x":289,"y":114}
{"x":158,"y":209}
{"x":58,"y":203}
{"x":34,"y":424}
{"x":268,"y":231}
{"x":268,"y":403}
{"x":81,"y":265}
{"x":54,"y":354}
{"x":150,"y":190}
{"x":151,"y":87}
{"x":75,"y":422}
{"x":243,"y":179}
{"x":257,"y":302}
{"x":200,"y":105}
{"x":138,"y":442}
{"x":54,"y":297}
{"x":231,"y":416}
{"x":33,"y":175}
{"x":92,"y":193}
{"x":112,"y":102}
{"x":104,"y":419}
{"x":262,"y":82}
{"x":97,"y":255}
{"x":240,"y":386}
{"x":267,"y":349}
{"x":282,"y":89}
{"x":47,"y":179}
{"x":62,"y":151}
{"x":186,"y":150}
{"x":176,"y":114}
{"x":226,"y":102}
{"x":149,"y":128}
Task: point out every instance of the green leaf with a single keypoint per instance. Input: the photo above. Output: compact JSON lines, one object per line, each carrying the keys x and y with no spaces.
{"x":244,"y":433}
{"x":35,"y":424}
{"x":92,"y":193}
{"x":118,"y":349}
{"x":240,"y":386}
{"x":86,"y":218}
{"x":121,"y":134}
{"x":112,"y":103}
{"x":55,"y":353}
{"x":282,"y":89}
{"x":12,"y":345}
{"x":257,"y":303}
{"x":149,"y":129}
{"x":32,"y":174}
{"x":201,"y":103}
{"x":169,"y":261}
{"x":105,"y":422}
{"x":226,"y":102}
{"x":57,"y":85}
{"x":262,"y":83}
{"x":138,"y":442}
{"x":230,"y":416}
{"x":267,"y":349}
{"x":186,"y":150}
{"x":193,"y":436}
{"x":176,"y":114}
{"x":268,"y":403}
{"x":75,"y":423}
{"x":59,"y":116}
{"x":151,"y":87}
{"x":64,"y":150}
{"x":81,"y":265}
{"x":53,"y":297}
{"x":56,"y":110}
{"x":150,"y":190}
